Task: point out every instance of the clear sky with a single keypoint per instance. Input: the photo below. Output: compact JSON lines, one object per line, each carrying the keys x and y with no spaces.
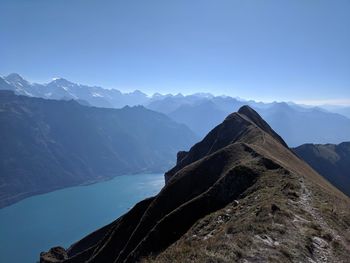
{"x":297,"y":50}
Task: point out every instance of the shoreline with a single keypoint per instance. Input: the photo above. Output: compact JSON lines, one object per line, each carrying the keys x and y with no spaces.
{"x":26,"y":195}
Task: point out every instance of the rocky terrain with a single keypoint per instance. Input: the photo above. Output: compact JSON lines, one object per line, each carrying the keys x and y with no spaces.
{"x":50,"y":144}
{"x":330,"y":160}
{"x":239,"y":195}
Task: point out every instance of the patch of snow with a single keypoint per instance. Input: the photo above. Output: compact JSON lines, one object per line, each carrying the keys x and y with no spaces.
{"x":95,"y":94}
{"x":26,"y":92}
{"x":73,"y":95}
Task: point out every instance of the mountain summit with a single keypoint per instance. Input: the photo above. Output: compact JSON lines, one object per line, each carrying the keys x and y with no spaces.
{"x":14,"y":77}
{"x":239,"y":195}
{"x":243,"y":126}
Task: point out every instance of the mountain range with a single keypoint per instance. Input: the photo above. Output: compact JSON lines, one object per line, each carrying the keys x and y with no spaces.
{"x":51,"y":144}
{"x":201,"y":112}
{"x":238,"y":195}
{"x":62,"y":89}
{"x":297,"y":124}
{"x":343,"y":110}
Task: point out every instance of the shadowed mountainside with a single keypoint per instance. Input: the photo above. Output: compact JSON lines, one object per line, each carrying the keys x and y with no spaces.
{"x":239,"y":195}
{"x":330,"y":160}
{"x":49,"y":144}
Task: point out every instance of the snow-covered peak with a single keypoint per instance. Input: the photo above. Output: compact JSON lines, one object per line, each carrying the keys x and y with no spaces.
{"x":16,"y":80}
{"x":61,"y":82}
{"x":204,"y":95}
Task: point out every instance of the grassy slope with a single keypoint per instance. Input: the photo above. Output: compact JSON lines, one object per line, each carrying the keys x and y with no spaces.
{"x":291,"y":214}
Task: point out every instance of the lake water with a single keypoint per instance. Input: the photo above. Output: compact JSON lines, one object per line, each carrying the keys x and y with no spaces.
{"x":65,"y":216}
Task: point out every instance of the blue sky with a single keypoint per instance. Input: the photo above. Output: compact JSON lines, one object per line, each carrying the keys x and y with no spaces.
{"x":293,"y":50}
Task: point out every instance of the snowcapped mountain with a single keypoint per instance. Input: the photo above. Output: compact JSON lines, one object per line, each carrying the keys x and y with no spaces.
{"x":200,"y":112}
{"x":62,"y":89}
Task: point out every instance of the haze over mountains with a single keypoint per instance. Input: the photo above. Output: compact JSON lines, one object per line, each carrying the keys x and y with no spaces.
{"x":298,"y":125}
{"x":200,"y":112}
{"x":239,"y":195}
{"x":51,"y":144}
{"x":343,"y":110}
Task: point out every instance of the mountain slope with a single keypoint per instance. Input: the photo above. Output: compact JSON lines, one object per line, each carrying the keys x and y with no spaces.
{"x":48,"y":144}
{"x":238,"y":195}
{"x":331,"y":161}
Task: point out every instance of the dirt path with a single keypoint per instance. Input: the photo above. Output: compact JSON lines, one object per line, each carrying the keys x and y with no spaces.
{"x":322,"y":249}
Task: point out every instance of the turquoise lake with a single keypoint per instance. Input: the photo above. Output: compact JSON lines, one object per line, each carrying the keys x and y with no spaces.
{"x":65,"y":216}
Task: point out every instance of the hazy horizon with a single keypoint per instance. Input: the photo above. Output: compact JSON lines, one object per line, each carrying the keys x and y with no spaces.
{"x":266,"y":51}
{"x":325,"y":103}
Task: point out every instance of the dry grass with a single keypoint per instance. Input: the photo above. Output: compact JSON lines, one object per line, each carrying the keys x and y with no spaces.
{"x":268,"y":225}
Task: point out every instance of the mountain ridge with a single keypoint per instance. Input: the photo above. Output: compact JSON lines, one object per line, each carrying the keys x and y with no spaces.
{"x":238,"y":198}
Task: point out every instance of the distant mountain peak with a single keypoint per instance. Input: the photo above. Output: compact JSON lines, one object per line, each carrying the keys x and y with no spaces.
{"x":204,"y":95}
{"x":179,"y":95}
{"x":61,"y":82}
{"x":15,"y":78}
{"x":18,"y":84}
{"x":137,"y":93}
